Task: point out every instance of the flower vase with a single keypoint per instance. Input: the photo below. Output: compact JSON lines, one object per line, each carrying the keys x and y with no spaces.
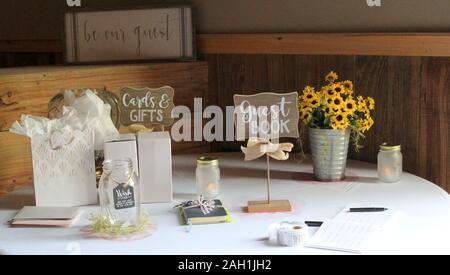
{"x":329,"y":149}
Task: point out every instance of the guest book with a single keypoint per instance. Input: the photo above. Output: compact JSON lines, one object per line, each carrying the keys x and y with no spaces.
{"x":350,"y":232}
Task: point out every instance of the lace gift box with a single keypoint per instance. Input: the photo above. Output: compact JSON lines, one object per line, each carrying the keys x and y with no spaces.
{"x":65,"y":176}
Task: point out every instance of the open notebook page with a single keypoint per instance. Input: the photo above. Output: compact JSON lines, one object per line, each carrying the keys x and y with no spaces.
{"x":350,"y":232}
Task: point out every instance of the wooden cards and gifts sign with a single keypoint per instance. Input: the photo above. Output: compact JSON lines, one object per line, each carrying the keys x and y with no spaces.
{"x":147,"y":106}
{"x":266,"y":115}
{"x":126,"y":35}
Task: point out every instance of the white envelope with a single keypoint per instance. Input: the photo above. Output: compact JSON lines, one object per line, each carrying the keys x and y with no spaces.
{"x":64,"y":177}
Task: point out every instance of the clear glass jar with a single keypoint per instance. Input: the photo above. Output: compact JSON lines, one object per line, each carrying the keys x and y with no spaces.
{"x":120,"y":193}
{"x":208,"y":177}
{"x":390,"y":163}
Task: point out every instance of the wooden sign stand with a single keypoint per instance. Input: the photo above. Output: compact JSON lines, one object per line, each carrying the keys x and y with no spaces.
{"x":269,"y":206}
{"x":280,"y":107}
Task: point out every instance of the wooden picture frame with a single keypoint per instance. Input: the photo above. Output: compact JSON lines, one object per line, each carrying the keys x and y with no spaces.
{"x":156,"y":33}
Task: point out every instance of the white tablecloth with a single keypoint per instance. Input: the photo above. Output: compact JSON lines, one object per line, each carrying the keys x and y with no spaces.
{"x":422,"y":227}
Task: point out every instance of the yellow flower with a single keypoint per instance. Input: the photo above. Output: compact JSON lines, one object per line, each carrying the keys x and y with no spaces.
{"x":306,"y":117}
{"x":340,"y":121}
{"x":302,"y":105}
{"x":336,"y":102}
{"x":328,"y":91}
{"x":350,"y":105}
{"x":344,"y":124}
{"x":334,"y":125}
{"x":364,"y":125}
{"x":371,"y":103}
{"x":309,"y":90}
{"x":328,"y":111}
{"x":338,"y":88}
{"x":309,"y":94}
{"x":362,"y":105}
{"x":315,"y":101}
{"x":331,"y":77}
{"x":329,"y":101}
{"x":348,"y":85}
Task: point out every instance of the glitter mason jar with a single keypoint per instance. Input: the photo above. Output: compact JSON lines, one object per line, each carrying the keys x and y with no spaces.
{"x":208,"y":177}
{"x":119,"y":193}
{"x":390,"y":163}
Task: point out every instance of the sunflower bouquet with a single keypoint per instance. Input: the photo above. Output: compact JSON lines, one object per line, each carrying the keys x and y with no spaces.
{"x":336,"y":106}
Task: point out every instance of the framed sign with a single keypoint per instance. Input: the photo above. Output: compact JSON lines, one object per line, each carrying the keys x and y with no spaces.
{"x":147,"y":106}
{"x":163,"y":33}
{"x":266,"y":115}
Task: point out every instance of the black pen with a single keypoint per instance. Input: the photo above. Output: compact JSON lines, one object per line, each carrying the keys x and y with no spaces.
{"x":314,"y":224}
{"x":369,"y":209}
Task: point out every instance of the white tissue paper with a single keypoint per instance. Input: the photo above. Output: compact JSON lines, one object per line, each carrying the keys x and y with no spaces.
{"x":63,"y":150}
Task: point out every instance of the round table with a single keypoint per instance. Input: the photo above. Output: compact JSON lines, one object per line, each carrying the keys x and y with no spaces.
{"x":422,"y":228}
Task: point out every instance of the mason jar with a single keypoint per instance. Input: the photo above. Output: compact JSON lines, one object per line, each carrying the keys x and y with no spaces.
{"x":119,"y":193}
{"x":390,"y":163}
{"x":208,"y":177}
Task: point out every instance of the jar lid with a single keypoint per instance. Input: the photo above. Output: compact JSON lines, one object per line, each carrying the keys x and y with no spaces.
{"x":208,"y":160}
{"x":386,"y":147}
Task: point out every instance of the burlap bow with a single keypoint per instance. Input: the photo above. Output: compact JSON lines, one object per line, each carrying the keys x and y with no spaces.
{"x":258,"y":147}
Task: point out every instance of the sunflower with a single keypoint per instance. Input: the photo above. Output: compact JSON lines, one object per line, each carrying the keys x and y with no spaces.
{"x":336,"y":102}
{"x":361,"y":100}
{"x":344,"y":124}
{"x":314,"y":102}
{"x":309,"y":94}
{"x":329,"y":101}
{"x":328,"y":91}
{"x":364,"y":125}
{"x":339,"y":118}
{"x":331,"y":77}
{"x":340,"y":121}
{"x":350,"y":105}
{"x":371,"y":103}
{"x":361,"y":104}
{"x":334,"y":125}
{"x":348,"y":85}
{"x":302,"y":106}
{"x":328,"y":111}
{"x":308,"y":90}
{"x":338,"y":88}
{"x":306,"y":116}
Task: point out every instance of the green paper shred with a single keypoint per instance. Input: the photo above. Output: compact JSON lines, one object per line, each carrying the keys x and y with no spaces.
{"x":101,"y":224}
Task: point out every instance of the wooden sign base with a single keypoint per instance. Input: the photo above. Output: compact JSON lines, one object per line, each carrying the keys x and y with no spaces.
{"x":272,"y":207}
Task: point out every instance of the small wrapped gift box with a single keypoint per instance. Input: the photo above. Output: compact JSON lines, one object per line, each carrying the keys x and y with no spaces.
{"x":64,"y":174}
{"x":154,"y":157}
{"x":124,"y":147}
{"x":155,"y":167}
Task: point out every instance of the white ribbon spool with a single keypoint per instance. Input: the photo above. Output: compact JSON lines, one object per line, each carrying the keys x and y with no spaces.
{"x":289,"y":234}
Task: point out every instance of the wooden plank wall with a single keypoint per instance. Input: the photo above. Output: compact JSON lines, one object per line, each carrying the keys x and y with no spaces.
{"x":28,"y":91}
{"x":405,"y":74}
{"x":412,"y":95}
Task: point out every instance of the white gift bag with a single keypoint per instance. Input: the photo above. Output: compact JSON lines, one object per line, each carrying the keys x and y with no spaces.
{"x":64,"y":176}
